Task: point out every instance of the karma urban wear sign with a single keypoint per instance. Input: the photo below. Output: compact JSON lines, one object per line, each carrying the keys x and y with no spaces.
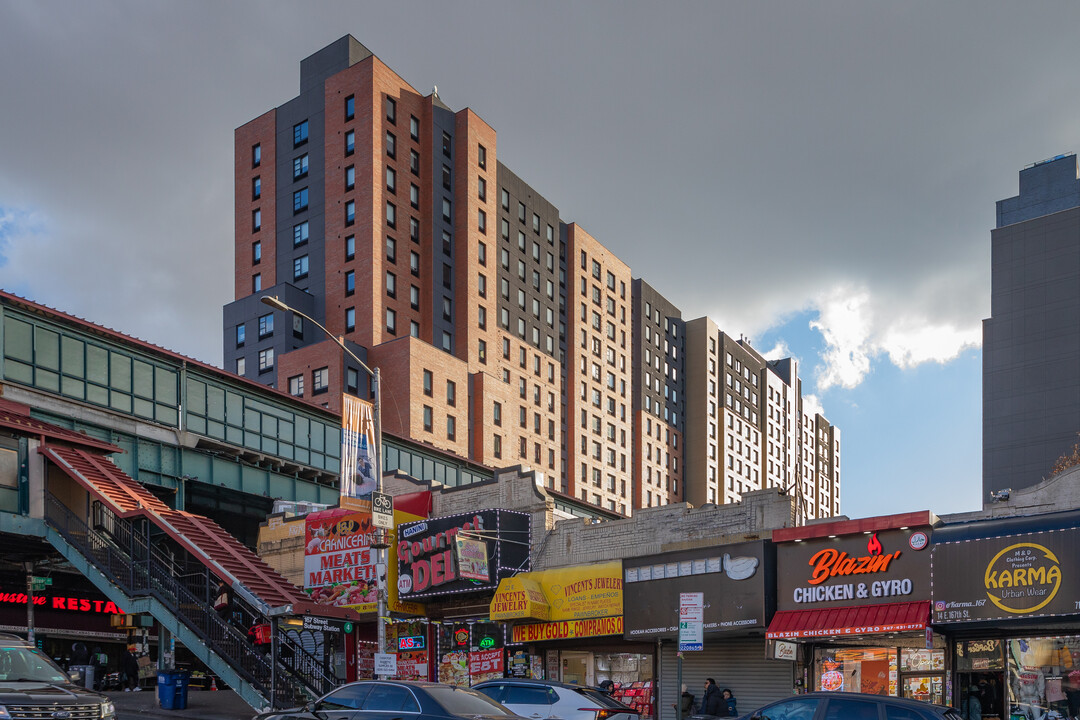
{"x":1017,"y":576}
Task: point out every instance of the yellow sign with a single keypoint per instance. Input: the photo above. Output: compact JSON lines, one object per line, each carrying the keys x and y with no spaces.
{"x":572,"y":593}
{"x":593,"y":627}
{"x":1024,"y":578}
{"x":519,"y":597}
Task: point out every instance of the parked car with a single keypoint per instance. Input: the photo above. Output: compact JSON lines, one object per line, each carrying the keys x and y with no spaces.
{"x":414,"y":700}
{"x":540,"y":699}
{"x":851,"y":706}
{"x":31,"y":682}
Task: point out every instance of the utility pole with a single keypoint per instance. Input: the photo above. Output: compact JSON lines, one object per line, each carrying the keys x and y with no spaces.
{"x":29,"y":565}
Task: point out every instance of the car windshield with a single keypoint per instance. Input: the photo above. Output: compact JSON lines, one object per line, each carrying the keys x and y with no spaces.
{"x":462,"y":701}
{"x":22,"y":664}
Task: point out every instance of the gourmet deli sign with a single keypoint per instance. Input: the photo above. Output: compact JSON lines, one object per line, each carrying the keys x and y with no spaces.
{"x":861,"y":569}
{"x":1031,"y":575}
{"x":429,"y":562}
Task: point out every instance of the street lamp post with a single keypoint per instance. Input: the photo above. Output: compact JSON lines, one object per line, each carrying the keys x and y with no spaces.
{"x":381,"y":539}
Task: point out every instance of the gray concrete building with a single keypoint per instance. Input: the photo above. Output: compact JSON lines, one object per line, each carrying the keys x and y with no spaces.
{"x":1031,"y":341}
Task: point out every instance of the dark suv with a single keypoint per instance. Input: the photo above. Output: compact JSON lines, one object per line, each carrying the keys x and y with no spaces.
{"x":851,"y":706}
{"x":32,"y":686}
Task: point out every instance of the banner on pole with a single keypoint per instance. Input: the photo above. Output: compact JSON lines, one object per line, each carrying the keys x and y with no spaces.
{"x":359,"y":448}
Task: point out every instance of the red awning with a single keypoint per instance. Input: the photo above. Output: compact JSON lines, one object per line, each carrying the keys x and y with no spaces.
{"x":865,"y":620}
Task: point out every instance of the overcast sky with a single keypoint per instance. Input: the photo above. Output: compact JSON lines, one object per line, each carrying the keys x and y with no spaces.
{"x":818,"y":176}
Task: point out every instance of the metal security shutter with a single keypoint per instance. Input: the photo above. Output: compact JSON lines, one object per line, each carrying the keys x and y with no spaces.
{"x":735,"y":663}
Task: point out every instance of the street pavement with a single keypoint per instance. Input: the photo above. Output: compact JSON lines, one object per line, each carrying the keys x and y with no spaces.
{"x":201,"y":704}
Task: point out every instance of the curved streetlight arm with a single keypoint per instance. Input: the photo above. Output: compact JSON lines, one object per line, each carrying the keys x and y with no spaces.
{"x":273,"y":302}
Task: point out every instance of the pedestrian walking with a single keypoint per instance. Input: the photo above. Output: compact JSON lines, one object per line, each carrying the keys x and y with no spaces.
{"x":129,"y":666}
{"x":728,"y":699}
{"x":711,"y":703}
{"x":686,"y":703}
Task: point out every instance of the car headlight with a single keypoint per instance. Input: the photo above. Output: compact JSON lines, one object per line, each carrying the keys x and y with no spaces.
{"x":4,"y":714}
{"x":108,"y":710}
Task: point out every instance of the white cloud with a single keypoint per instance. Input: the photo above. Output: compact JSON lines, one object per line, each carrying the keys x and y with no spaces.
{"x":812,"y":405}
{"x":858,"y":327}
{"x":779,"y":351}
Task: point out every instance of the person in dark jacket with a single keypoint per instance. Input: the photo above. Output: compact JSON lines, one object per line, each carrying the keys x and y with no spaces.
{"x":686,"y":702}
{"x":728,"y":699}
{"x":711,"y":703}
{"x":79,"y":654}
{"x":129,"y":665}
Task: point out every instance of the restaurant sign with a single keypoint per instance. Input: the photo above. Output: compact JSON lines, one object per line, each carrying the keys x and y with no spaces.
{"x":861,"y":569}
{"x":1017,"y":576}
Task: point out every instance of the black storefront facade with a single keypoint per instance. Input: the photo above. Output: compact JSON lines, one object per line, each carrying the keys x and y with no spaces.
{"x":1007,"y":594}
{"x":736,"y":582}
{"x":853,"y":607}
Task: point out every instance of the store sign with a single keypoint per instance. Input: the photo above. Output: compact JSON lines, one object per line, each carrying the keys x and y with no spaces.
{"x":734,"y":579}
{"x":1028,"y":575}
{"x":429,"y":563}
{"x":59,"y":602}
{"x":571,"y":593}
{"x":594,"y":627}
{"x":863,"y":569}
{"x":325,"y":625}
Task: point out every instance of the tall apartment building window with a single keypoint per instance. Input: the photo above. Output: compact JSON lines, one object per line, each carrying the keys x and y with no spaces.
{"x":428,"y":383}
{"x":266,"y":360}
{"x":256,"y":282}
{"x":391,"y":144}
{"x":256,"y":252}
{"x":521,"y":241}
{"x":536,"y":223}
{"x":414,"y":263}
{"x":481,"y":285}
{"x":300,"y":267}
{"x":300,"y":167}
{"x":350,"y":107}
{"x":414,"y":229}
{"x":241,"y":333}
{"x":300,"y":200}
{"x":266,"y":325}
{"x":350,"y":177}
{"x":481,"y":156}
{"x":521,"y":212}
{"x":482,"y":317}
{"x":391,"y":214}
{"x":391,"y":321}
{"x":350,"y":213}
{"x":482,"y":351}
{"x":350,"y":247}
{"x":320,"y":381}
{"x":446,"y":177}
{"x":350,"y":283}
{"x":414,"y":297}
{"x":447,"y":309}
{"x":451,"y":428}
{"x":496,"y":414}
{"x":391,"y":249}
{"x":550,"y":235}
{"x":481,"y":253}
{"x":497,"y":446}
{"x":350,"y":142}
{"x":300,"y":234}
{"x":350,"y":319}
{"x":481,"y":189}
{"x":256,"y":155}
{"x":451,"y":393}
{"x":300,"y":133}
{"x":256,"y":187}
{"x":414,"y":162}
{"x":296,"y":386}
{"x":391,"y":109}
{"x":256,"y":220}
{"x":427,"y":418}
{"x":446,"y":209}
{"x":504,"y":229}
{"x":504,"y":198}
{"x":241,"y":366}
{"x":414,"y":328}
{"x":447,"y":142}
{"x":391,"y":180}
{"x":481,"y":221}
{"x":352,"y":381}
{"x":414,"y":195}
{"x":414,"y":127}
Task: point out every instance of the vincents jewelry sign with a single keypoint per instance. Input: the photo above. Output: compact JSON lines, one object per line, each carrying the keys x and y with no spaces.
{"x":1016,"y":576}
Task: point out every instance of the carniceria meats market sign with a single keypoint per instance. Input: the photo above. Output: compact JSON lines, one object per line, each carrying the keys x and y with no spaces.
{"x":1015,"y":576}
{"x":862,"y":569}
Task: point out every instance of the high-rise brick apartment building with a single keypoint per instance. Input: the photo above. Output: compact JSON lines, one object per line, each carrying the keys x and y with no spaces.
{"x":1031,"y":342}
{"x":504,"y":334}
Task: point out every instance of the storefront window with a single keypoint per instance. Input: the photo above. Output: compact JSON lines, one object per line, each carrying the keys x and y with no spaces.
{"x":470,"y":653}
{"x":979,"y":655}
{"x":867,"y":670}
{"x":632,"y":678}
{"x":1044,"y":677}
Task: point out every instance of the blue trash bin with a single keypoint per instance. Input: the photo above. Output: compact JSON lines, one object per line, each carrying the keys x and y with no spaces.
{"x":172,"y":689}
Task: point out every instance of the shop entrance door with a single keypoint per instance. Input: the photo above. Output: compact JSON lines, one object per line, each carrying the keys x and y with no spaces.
{"x":577,"y":667}
{"x":989,"y":688}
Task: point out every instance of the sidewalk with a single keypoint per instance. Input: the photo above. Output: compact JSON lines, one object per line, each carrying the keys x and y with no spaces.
{"x":202,"y":704}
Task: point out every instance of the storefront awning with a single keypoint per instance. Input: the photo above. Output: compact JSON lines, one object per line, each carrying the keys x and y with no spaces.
{"x":519,"y":597}
{"x":864,"y":620}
